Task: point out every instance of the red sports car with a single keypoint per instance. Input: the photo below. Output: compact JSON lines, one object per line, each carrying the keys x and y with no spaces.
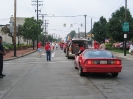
{"x":97,"y":61}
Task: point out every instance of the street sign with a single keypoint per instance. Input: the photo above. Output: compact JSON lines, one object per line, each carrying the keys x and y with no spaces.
{"x":12,"y":29}
{"x":125,"y":27}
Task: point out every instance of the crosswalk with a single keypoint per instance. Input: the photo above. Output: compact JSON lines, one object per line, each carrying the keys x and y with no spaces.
{"x":33,"y":59}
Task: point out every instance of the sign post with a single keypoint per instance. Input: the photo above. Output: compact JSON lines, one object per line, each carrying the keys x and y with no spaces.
{"x":125,"y":29}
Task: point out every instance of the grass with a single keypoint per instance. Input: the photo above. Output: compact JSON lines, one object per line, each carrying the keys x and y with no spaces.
{"x":118,"y":50}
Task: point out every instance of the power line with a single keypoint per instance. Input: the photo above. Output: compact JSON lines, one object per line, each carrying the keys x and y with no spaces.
{"x":121,"y":3}
{"x":114,"y":7}
{"x":27,"y":7}
{"x":5,"y":19}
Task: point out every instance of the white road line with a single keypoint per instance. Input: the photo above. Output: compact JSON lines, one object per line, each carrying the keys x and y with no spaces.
{"x":8,"y":63}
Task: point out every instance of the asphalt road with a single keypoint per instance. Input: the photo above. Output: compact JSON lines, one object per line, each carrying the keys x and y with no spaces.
{"x":31,"y":77}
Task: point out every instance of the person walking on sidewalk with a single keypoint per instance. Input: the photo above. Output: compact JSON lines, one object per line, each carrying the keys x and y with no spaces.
{"x":131,"y":49}
{"x":39,"y":49}
{"x":2,"y":53}
{"x":48,"y":51}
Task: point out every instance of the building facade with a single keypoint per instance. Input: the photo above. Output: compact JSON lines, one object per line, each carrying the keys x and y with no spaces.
{"x":7,"y":38}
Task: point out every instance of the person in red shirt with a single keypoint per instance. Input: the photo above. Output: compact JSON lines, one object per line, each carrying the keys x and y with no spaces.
{"x":39,"y":49}
{"x":48,"y":51}
{"x":96,"y":45}
{"x":81,"y":49}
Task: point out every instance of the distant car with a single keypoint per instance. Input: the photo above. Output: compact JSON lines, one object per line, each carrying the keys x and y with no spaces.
{"x":73,"y":47}
{"x":117,"y":45}
{"x":127,"y":45}
{"x":97,"y":61}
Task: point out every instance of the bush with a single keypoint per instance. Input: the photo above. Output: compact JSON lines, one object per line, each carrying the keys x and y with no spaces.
{"x":108,"y":46}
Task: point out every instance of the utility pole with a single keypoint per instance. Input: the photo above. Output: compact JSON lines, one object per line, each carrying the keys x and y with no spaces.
{"x":85,"y":25}
{"x":14,"y":28}
{"x":38,"y":3}
{"x":125,"y":34}
{"x":42,"y":15}
{"x":91,"y":32}
{"x":78,"y":32}
{"x":46,"y":25}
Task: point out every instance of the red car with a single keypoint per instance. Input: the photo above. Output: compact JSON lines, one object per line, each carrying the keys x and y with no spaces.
{"x":97,"y":61}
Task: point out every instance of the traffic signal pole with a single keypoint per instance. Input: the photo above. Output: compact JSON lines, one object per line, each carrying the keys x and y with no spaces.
{"x":85,"y":25}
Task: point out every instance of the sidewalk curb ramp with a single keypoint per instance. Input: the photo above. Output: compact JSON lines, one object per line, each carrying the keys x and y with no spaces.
{"x":19,"y":56}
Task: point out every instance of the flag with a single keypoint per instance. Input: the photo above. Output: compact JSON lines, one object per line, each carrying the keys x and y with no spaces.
{"x":106,"y":40}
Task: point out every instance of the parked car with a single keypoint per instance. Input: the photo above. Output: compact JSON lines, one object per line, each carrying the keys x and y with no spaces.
{"x":97,"y":61}
{"x":127,"y":45}
{"x":73,"y":47}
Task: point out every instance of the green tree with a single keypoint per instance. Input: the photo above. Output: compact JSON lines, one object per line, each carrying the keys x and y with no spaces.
{"x":99,"y":29}
{"x":6,"y":30}
{"x":114,"y":26}
{"x":31,"y":29}
{"x":19,"y":33}
{"x":72,"y":34}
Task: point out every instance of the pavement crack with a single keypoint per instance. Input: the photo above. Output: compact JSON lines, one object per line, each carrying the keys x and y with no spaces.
{"x":97,"y":88}
{"x":18,"y":81}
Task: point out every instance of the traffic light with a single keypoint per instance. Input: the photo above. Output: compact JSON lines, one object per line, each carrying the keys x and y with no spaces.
{"x":64,"y":25}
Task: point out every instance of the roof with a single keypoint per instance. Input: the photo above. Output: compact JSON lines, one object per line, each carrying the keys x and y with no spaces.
{"x":80,"y":39}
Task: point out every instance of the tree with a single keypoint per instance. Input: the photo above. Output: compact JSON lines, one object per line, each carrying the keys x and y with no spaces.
{"x":99,"y":29}
{"x":19,"y":33}
{"x":31,"y":29}
{"x":114,"y":26}
{"x":72,"y":34}
{"x":6,"y":30}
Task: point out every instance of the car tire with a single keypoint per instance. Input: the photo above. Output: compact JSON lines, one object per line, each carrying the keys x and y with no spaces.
{"x":114,"y":74}
{"x":75,"y":65}
{"x":81,"y":71}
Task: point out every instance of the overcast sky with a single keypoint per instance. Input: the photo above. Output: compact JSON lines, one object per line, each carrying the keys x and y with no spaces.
{"x":92,"y":8}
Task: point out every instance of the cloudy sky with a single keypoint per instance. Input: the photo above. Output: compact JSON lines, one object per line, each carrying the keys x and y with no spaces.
{"x":78,"y":8}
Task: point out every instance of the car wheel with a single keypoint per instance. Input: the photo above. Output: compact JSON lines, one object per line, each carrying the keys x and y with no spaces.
{"x":68,"y":57}
{"x":75,"y":66}
{"x":81,"y":71}
{"x":114,"y":74}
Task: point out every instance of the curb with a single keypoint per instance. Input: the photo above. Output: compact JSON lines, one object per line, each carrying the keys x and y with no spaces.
{"x":20,"y":56}
{"x":121,"y":55}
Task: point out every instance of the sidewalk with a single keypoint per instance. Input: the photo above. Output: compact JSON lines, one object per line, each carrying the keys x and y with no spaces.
{"x":121,"y":55}
{"x":19,"y":53}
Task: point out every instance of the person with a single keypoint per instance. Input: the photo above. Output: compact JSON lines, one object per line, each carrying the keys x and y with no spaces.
{"x":39,"y":49}
{"x":48,"y":51}
{"x":52,"y":50}
{"x":56,"y":46}
{"x":102,"y":46}
{"x":81,"y":49}
{"x":2,"y":53}
{"x":131,"y":49}
{"x":96,"y":45}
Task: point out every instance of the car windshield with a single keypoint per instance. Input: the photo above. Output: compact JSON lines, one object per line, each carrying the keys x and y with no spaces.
{"x":98,"y":54}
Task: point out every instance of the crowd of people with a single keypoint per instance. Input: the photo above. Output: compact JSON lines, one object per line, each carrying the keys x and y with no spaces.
{"x":49,"y":48}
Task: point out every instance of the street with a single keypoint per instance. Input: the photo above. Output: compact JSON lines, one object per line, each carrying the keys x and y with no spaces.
{"x":31,"y":77}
